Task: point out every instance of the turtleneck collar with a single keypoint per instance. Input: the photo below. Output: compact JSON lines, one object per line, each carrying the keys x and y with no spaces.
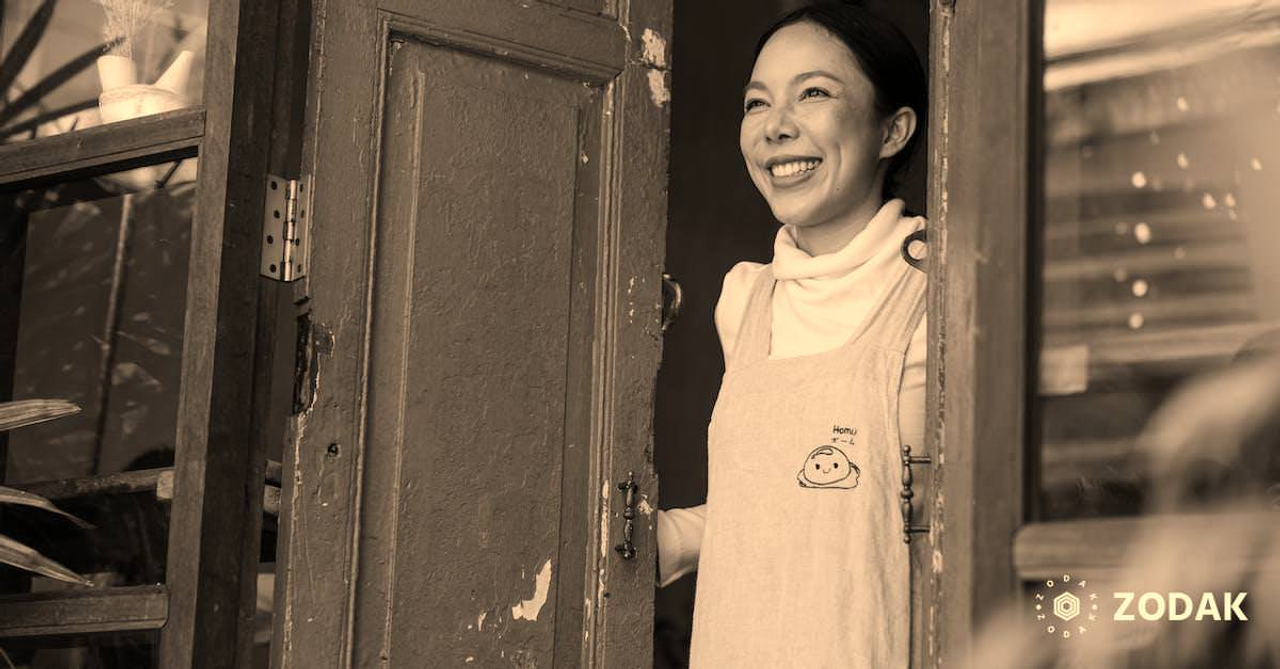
{"x":887,"y":227}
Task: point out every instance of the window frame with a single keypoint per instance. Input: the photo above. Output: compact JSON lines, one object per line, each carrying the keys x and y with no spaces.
{"x":986,"y":220}
{"x":246,"y":127}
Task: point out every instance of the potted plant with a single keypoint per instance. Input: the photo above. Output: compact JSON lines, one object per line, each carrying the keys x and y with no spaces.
{"x":14,"y":553}
{"x":122,"y":96}
{"x":16,"y":101}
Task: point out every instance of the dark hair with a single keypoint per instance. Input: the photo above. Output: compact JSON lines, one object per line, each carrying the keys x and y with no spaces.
{"x":885,"y":56}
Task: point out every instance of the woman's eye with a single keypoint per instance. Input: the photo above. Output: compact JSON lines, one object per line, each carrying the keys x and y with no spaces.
{"x":752,"y":104}
{"x":814,"y":93}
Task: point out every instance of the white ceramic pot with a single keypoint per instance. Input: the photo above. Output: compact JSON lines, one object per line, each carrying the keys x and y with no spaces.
{"x":116,"y":72}
{"x":126,"y":102}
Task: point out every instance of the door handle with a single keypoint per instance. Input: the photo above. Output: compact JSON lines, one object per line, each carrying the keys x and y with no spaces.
{"x":672,"y":300}
{"x":909,"y":527}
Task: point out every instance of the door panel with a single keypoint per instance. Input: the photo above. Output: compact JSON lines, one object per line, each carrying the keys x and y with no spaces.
{"x":484,"y":288}
{"x":470,"y":370}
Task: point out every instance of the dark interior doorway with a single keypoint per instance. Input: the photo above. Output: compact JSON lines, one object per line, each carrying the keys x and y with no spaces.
{"x":716,"y":218}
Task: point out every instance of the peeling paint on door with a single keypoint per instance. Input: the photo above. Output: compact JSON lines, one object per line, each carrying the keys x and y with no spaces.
{"x":529,"y":608}
{"x":653,"y":49}
{"x":658,"y":91}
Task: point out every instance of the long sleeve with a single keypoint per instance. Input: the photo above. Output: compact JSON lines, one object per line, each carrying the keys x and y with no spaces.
{"x":680,"y":530}
{"x":679,"y":542}
{"x":911,"y":395}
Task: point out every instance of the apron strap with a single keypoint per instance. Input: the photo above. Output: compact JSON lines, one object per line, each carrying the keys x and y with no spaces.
{"x":755,"y":330}
{"x":895,"y":319}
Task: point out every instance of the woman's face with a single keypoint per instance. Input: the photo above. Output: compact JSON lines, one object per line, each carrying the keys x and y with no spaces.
{"x":811,"y":136}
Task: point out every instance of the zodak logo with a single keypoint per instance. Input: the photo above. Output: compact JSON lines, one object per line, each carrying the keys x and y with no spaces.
{"x":1072,"y":605}
{"x":1068,"y":606}
{"x":1179,"y":606}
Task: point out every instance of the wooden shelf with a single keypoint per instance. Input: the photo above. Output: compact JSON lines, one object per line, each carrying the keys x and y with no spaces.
{"x":158,"y":481}
{"x":105,"y":484}
{"x":1166,"y":314}
{"x":105,"y":148}
{"x":83,"y":612}
{"x":1183,"y":226}
{"x":1100,"y":460}
{"x":1172,"y":352}
{"x":1147,"y":261}
{"x":1098,"y":546}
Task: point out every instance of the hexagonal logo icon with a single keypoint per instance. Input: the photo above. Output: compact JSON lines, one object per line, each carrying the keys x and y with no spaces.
{"x":1074,"y":606}
{"x":1066,"y":606}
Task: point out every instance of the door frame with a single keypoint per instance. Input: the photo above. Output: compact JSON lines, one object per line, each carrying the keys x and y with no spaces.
{"x":318,"y":556}
{"x":984,"y":201}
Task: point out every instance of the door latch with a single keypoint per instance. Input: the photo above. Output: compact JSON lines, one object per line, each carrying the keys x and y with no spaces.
{"x":627,"y":549}
{"x":672,"y":300}
{"x":284,"y":228}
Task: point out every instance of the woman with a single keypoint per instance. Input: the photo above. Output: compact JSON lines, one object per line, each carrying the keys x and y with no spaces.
{"x":800,"y":548}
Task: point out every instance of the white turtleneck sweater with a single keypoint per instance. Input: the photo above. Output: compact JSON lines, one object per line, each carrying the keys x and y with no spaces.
{"x":817,"y":304}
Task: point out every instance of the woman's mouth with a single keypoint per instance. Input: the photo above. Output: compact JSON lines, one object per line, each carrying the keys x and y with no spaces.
{"x":787,"y":169}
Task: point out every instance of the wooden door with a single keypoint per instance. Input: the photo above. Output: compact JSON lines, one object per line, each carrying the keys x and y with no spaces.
{"x":487,"y":214}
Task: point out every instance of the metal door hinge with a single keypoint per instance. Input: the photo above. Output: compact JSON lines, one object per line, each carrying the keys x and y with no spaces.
{"x":284,"y":228}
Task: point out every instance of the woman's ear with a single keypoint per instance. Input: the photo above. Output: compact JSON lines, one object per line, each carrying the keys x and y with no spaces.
{"x":898,"y":129}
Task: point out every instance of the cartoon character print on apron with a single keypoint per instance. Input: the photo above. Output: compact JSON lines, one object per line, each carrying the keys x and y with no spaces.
{"x":802,"y":561}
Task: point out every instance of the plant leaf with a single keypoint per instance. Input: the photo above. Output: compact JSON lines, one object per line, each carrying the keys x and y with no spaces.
{"x":53,"y":80}
{"x":25,"y":45}
{"x":24,"y":557}
{"x":21,"y":413}
{"x":51,"y":115}
{"x":14,"y":496}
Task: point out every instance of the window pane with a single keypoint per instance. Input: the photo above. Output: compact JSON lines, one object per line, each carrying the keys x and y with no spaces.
{"x":154,"y":62}
{"x":132,"y":651}
{"x":1162,"y":136}
{"x":92,"y":301}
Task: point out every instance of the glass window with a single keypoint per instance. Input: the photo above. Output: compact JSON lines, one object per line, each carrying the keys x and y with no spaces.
{"x":1162,"y":131}
{"x":94,"y":277}
{"x":132,"y":651}
{"x":74,"y":64}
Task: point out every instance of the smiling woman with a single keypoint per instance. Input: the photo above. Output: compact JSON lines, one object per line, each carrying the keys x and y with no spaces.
{"x":818,"y":135}
{"x":800,"y":548}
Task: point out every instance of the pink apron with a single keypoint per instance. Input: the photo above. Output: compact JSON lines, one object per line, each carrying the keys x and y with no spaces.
{"x":803,"y":562}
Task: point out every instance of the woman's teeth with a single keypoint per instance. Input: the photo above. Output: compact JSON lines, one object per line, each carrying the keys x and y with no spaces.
{"x":793,"y":168}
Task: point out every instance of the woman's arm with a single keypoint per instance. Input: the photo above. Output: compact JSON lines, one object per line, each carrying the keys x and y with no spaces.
{"x":680,"y":530}
{"x":679,"y":542}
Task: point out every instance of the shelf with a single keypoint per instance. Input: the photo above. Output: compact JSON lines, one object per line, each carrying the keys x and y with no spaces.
{"x":105,"y":148}
{"x":105,"y":484}
{"x":1148,"y":261}
{"x":83,"y":612}
{"x":159,"y":481}
{"x":1168,"y":314}
{"x":1097,"y":547}
{"x":1168,"y":353}
{"x":270,"y":494}
{"x":1062,"y":464}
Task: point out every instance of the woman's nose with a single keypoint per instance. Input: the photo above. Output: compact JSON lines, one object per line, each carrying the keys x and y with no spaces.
{"x":780,"y":127}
